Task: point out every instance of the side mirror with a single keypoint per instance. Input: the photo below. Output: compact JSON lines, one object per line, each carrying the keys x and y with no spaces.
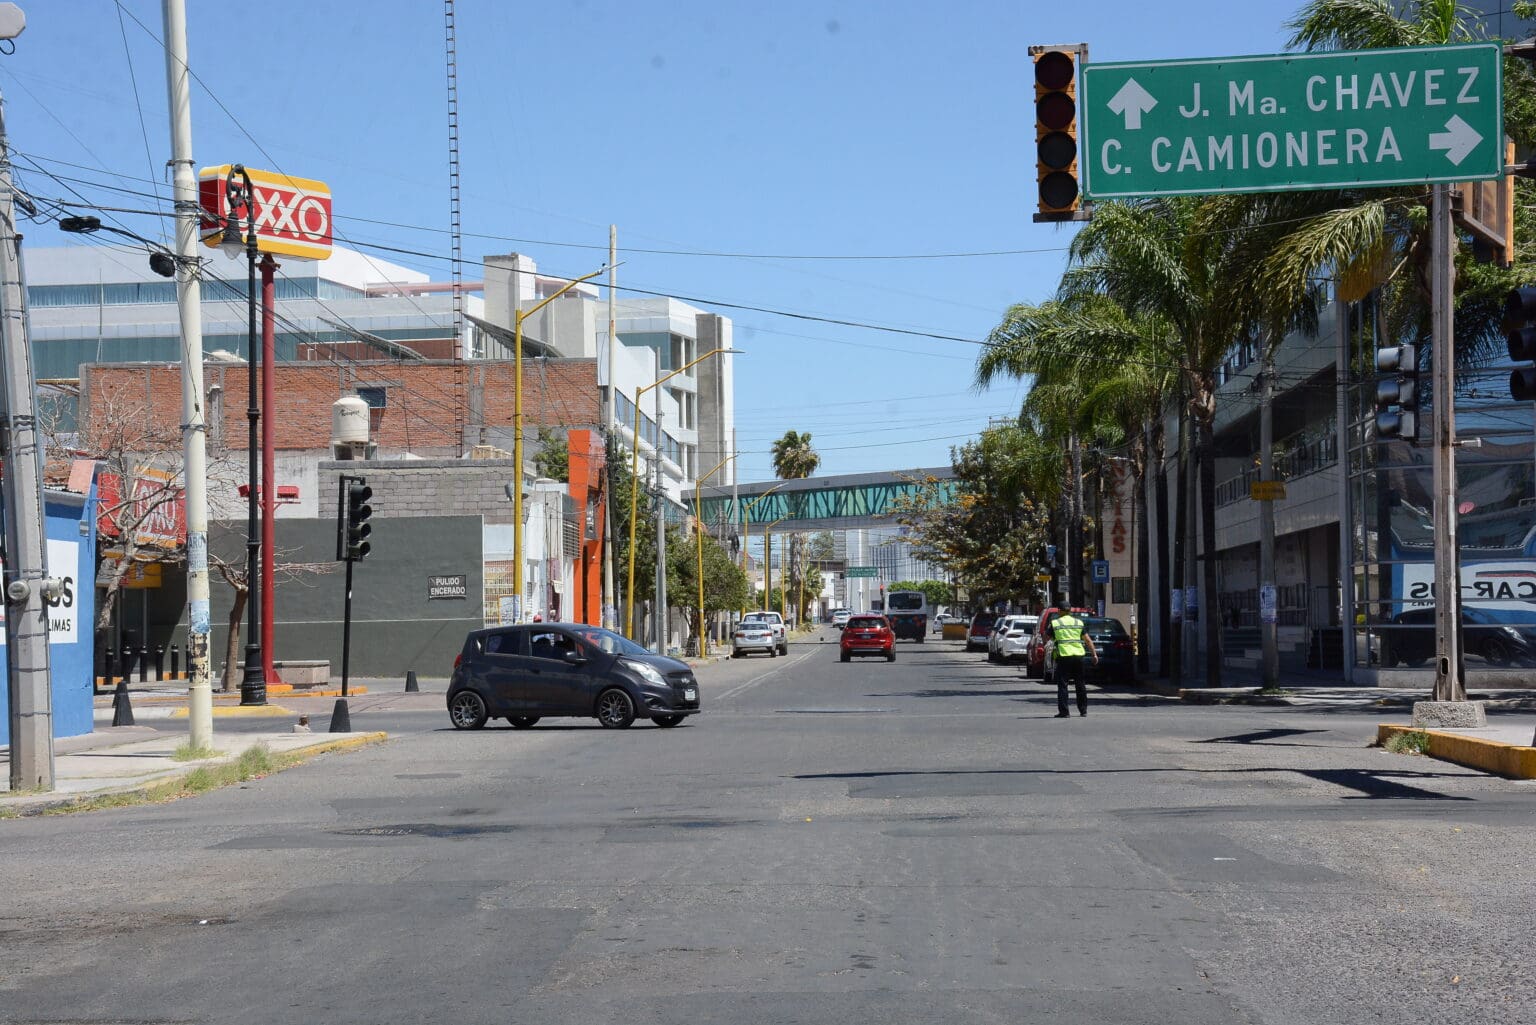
{"x":575,"y":658}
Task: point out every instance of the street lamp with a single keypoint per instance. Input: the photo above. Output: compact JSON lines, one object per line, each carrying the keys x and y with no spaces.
{"x":518,"y":316}
{"x":698,"y":521}
{"x":634,"y":474}
{"x":253,"y":682}
{"x":746,"y":522}
{"x":768,"y":566}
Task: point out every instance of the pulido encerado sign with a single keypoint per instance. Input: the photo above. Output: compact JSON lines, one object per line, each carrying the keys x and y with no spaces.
{"x":1359,"y":118}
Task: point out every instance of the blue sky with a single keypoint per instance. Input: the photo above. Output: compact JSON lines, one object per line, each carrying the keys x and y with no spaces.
{"x":738,"y":139}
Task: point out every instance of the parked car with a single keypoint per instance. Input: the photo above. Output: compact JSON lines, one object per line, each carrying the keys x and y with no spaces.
{"x":775,"y":623}
{"x":532,"y":671}
{"x":1034,"y":661}
{"x":753,"y":635}
{"x":840,"y":617}
{"x":1009,"y":640}
{"x":1495,"y":641}
{"x":1113,"y":646}
{"x":981,"y":626}
{"x":868,"y":635}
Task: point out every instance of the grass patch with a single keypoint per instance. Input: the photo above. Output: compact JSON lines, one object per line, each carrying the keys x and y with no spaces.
{"x":254,"y":762}
{"x":1272,"y":691}
{"x":1412,"y":742}
{"x":187,"y":753}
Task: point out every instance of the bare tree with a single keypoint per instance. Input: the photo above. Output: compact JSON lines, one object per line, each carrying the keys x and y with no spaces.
{"x":234,"y":573}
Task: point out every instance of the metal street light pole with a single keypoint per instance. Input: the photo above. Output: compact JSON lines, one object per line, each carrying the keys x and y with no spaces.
{"x":634,"y":476}
{"x":698,"y":527}
{"x":253,"y":682}
{"x":518,"y":316}
{"x":746,"y":523}
{"x":768,"y":563}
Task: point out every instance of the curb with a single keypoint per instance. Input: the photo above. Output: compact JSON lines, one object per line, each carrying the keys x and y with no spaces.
{"x":40,"y":806}
{"x":1509,"y":760}
{"x":241,"y":711}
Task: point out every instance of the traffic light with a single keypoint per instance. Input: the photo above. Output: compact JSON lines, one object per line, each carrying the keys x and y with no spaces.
{"x":358,"y":514}
{"x":1397,"y":396}
{"x":1520,"y":323}
{"x":1056,"y":132}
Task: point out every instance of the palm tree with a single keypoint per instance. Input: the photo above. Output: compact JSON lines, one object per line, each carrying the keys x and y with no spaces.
{"x":794,"y":458}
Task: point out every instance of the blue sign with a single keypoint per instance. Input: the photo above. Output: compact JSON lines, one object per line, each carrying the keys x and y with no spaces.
{"x":1101,"y":571}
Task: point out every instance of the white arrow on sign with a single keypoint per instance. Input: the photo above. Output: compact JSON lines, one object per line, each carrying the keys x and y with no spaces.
{"x":1132,"y":101}
{"x":1458,"y":139}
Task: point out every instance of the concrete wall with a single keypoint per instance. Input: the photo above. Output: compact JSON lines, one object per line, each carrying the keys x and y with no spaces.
{"x":395,"y":626}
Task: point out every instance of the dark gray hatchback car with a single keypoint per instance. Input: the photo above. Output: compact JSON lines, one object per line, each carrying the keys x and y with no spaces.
{"x":537,"y":670}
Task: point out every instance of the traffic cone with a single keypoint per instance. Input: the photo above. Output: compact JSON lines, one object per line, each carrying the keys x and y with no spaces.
{"x":122,"y":710}
{"x":410,"y":682}
{"x":341,"y":722}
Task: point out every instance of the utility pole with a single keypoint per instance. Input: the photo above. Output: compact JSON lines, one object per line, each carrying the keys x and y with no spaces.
{"x":661,"y":550}
{"x":610,"y":416}
{"x":193,"y":425}
{"x":1268,"y":609}
{"x":1449,"y":684}
{"x":27,"y":587}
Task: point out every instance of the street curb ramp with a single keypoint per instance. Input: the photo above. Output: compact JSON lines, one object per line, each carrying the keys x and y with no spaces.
{"x":1509,"y":760}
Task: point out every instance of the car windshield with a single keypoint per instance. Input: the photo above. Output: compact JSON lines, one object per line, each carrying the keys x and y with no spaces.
{"x":609,"y":642}
{"x":1106,"y":627}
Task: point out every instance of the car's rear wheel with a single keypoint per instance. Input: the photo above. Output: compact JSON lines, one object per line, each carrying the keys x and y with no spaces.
{"x":844,"y":657}
{"x":773,"y":652}
{"x":523,"y":722}
{"x":1496,"y":652}
{"x":890,"y":656}
{"x":615,"y":709}
{"x":921,"y":638}
{"x":467,"y":711}
{"x":667,"y":720}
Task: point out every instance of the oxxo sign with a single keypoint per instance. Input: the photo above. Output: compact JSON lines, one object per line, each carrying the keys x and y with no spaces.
{"x":1412,"y":115}
{"x":293,"y":215}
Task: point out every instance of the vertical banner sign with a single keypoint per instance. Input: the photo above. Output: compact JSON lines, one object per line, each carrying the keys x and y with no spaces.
{"x":1176,"y":605}
{"x":1269,"y":609}
{"x":1358,"y":118}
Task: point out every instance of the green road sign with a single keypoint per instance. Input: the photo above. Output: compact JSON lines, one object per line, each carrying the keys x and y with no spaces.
{"x":1292,"y":121}
{"x":863,"y":571}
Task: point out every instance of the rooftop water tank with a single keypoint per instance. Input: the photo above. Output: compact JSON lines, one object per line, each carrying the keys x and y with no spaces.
{"x":349,"y":428}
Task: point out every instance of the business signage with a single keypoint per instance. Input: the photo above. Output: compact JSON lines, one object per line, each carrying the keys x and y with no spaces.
{"x":452,"y":586}
{"x":1356,"y":118}
{"x":155,"y":509}
{"x":63,"y":611}
{"x":293,"y":215}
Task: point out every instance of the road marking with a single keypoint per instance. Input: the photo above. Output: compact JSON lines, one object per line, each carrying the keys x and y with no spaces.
{"x":766,"y":676}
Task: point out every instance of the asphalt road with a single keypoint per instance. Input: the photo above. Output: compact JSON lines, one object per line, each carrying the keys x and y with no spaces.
{"x":866,"y":843}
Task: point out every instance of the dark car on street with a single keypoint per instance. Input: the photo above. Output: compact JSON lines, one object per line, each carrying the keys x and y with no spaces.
{"x":542,"y":670}
{"x":1412,"y":641}
{"x":1113,"y":646}
{"x":1034,"y":658}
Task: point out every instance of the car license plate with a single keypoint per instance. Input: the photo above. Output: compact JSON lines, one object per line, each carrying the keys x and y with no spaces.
{"x":690,"y":694}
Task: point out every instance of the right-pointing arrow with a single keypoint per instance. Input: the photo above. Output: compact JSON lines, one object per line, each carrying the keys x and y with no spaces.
{"x":1132,"y":101}
{"x":1458,"y":139}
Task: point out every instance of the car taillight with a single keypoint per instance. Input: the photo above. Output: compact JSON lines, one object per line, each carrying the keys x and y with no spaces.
{"x":458,"y":660}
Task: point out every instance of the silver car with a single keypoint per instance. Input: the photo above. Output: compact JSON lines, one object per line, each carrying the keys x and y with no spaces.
{"x":753,"y":635}
{"x":1009,"y":640}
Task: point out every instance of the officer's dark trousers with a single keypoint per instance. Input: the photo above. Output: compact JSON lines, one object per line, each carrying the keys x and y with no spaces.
{"x":1070,"y":669}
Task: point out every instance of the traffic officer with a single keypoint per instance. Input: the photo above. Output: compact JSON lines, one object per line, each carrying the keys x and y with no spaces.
{"x":1069,"y":632}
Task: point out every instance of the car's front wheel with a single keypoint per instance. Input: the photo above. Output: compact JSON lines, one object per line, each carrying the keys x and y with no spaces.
{"x":523,"y":722}
{"x":467,"y":711}
{"x":615,"y":709}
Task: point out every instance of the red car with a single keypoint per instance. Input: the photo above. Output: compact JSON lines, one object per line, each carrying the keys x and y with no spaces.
{"x":1034,"y":660}
{"x":868,"y":635}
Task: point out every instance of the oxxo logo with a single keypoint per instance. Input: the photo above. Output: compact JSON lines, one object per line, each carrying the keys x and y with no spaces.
{"x":293,"y":215}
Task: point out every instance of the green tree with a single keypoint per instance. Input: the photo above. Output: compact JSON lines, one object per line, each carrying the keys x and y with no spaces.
{"x":794,"y":458}
{"x":725,"y":585}
{"x":936,"y":591}
{"x":553,"y":459}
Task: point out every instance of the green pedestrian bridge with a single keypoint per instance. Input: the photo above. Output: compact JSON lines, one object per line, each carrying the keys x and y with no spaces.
{"x":845,"y":502}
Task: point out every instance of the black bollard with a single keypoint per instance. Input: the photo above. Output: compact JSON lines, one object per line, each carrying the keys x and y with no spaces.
{"x":109,"y":668}
{"x":341,"y":722}
{"x":125,"y":661}
{"x":159,"y":662}
{"x":411,"y":687}
{"x":122,"y":710}
{"x":143,"y":664}
{"x":175,"y":662}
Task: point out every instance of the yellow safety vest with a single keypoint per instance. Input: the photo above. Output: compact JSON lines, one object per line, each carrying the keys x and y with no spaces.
{"x":1067,"y":630}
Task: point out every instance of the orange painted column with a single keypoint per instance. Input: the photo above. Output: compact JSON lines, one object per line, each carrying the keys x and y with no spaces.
{"x":585,"y":486}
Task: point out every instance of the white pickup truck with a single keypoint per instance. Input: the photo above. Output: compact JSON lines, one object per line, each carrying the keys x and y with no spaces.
{"x":774,"y":620}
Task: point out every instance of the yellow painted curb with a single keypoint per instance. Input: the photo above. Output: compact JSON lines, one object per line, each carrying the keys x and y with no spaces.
{"x":250,"y":711}
{"x":348,"y":743}
{"x":352,"y":692}
{"x":1510,"y":760}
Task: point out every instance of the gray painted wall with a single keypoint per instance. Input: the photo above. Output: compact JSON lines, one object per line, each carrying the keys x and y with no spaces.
{"x":395,"y":626}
